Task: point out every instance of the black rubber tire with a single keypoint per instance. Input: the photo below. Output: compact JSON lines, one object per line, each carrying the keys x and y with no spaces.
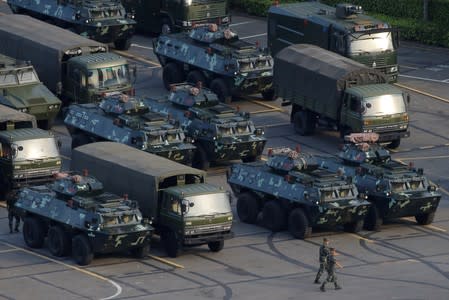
{"x":354,"y":227}
{"x":247,"y":208}
{"x":166,"y":26}
{"x":221,"y":88}
{"x":142,"y":251}
{"x":81,"y":250}
{"x":172,"y":74}
{"x":373,"y":221}
{"x":122,"y":44}
{"x":298,"y":224}
{"x":196,"y":76}
{"x":394,"y":144}
{"x":216,"y":246}
{"x":171,"y":243}
{"x":33,"y":232}
{"x":274,"y":216}
{"x":250,"y":159}
{"x":44,"y":124}
{"x":79,"y":139}
{"x":268,"y":95}
{"x":58,"y":241}
{"x":304,"y":123}
{"x":425,"y":219}
{"x":200,"y":160}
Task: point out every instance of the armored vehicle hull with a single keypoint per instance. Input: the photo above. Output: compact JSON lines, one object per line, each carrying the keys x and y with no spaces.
{"x":103,"y":21}
{"x":217,"y":58}
{"x":74,"y":214}
{"x":291,"y":192}
{"x":220,"y":132}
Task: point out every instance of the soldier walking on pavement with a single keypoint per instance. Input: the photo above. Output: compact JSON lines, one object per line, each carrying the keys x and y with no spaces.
{"x":324,"y":254}
{"x":331,"y":277}
{"x":12,"y":214}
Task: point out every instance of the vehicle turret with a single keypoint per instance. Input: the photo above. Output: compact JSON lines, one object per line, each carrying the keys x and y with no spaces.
{"x":362,"y":147}
{"x":284,"y":160}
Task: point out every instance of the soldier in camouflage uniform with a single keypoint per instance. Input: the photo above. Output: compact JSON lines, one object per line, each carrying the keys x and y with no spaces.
{"x":331,"y":277}
{"x":12,"y":214}
{"x":324,"y":254}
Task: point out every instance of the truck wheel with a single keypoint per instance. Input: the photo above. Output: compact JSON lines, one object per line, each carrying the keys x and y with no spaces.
{"x":221,"y":88}
{"x":273,"y":216}
{"x":58,"y":241}
{"x":268,"y":95}
{"x":44,"y":124}
{"x":425,"y":219}
{"x":196,"y":76}
{"x":122,"y":44}
{"x":166,"y":27}
{"x":142,"y":251}
{"x":216,"y":246}
{"x":298,"y":225}
{"x":172,"y":74}
{"x":247,"y":208}
{"x":200,"y":160}
{"x":373,"y":221}
{"x":394,"y":144}
{"x":81,"y":250}
{"x":171,"y":243}
{"x":33,"y":232}
{"x":79,"y":139}
{"x":303,"y":122}
{"x":354,"y":226}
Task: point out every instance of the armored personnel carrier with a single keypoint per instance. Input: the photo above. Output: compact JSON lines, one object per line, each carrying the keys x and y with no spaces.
{"x":74,"y":213}
{"x":216,"y":57}
{"x":220,"y":132}
{"x":103,"y":21}
{"x":292,"y":191}
{"x":395,"y":189}
{"x":126,"y":120}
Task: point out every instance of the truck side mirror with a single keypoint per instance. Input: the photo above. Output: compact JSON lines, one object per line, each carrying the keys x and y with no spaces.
{"x":408,"y":98}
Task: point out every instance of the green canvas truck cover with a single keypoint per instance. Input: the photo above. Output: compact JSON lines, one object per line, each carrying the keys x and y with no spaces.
{"x":126,"y":170}
{"x":8,"y":114}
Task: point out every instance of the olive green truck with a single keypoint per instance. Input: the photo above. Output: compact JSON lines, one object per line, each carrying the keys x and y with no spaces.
{"x":184,"y":209}
{"x":325,"y":88}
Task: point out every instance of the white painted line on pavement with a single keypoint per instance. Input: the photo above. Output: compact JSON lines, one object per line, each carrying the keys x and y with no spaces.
{"x":252,"y":36}
{"x":241,"y":23}
{"x":140,"y":46}
{"x":424,"y":78}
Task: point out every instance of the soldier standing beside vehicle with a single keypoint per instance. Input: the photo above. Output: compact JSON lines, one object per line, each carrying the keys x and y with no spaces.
{"x":331,"y":277}
{"x":324,"y":254}
{"x":12,"y":214}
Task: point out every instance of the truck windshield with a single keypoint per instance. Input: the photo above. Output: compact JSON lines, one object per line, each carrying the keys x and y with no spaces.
{"x":374,"y":42}
{"x":384,"y":105}
{"x":18,"y":77}
{"x":35,"y":149}
{"x":210,"y":204}
{"x":108,"y":77}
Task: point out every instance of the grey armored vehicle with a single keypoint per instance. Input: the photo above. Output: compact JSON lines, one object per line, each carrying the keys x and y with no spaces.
{"x":395,"y":189}
{"x":219,"y":131}
{"x":292,"y":191}
{"x":216,"y":57}
{"x":21,"y":89}
{"x":126,"y":120}
{"x":103,"y":21}
{"x":74,"y":214}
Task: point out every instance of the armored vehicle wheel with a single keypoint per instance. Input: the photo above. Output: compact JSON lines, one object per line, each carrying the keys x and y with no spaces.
{"x":247,"y":208}
{"x":268,"y":95}
{"x":123,"y":44}
{"x":58,"y":241}
{"x":171,"y":244}
{"x":304,"y":122}
{"x":221,"y":88}
{"x":216,"y":246}
{"x":273,"y":216}
{"x":172,"y":74}
{"x":33,"y":232}
{"x":196,"y":76}
{"x":15,"y":9}
{"x":81,"y":250}
{"x":200,"y":160}
{"x":425,"y":219}
{"x":79,"y":139}
{"x":298,"y":224}
{"x":166,"y":27}
{"x":354,"y":226}
{"x":373,"y":221}
{"x":394,"y":144}
{"x":142,"y":251}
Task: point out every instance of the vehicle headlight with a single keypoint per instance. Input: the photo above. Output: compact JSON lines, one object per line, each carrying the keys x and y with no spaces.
{"x":58,"y":162}
{"x":16,"y":167}
{"x":24,"y":110}
{"x":227,"y":227}
{"x":188,"y":223}
{"x":186,"y":23}
{"x":230,"y":218}
{"x":394,"y":69}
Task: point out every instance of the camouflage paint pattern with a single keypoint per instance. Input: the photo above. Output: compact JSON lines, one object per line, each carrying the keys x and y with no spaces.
{"x":77,"y":202}
{"x":222,"y":131}
{"x":127,"y":120}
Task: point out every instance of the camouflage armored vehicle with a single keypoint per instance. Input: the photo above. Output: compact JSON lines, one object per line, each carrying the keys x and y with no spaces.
{"x":103,"y":21}
{"x":74,"y":214}
{"x":21,"y":89}
{"x":220,"y":132}
{"x":292,"y":191}
{"x":395,"y":189}
{"x":28,"y":155}
{"x":215,"y":56}
{"x":126,"y":120}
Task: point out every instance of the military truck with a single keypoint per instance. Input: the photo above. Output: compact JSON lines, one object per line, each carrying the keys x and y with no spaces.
{"x":215,"y":56}
{"x":343,"y":29}
{"x":166,"y":16}
{"x":103,"y":21}
{"x":74,"y":214}
{"x":328,"y":89}
{"x":73,"y":67}
{"x":395,"y":189}
{"x":184,"y":209}
{"x":28,"y":155}
{"x":292,"y":191}
{"x":21,"y":89}
{"x":126,"y":120}
{"x":220,"y":132}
